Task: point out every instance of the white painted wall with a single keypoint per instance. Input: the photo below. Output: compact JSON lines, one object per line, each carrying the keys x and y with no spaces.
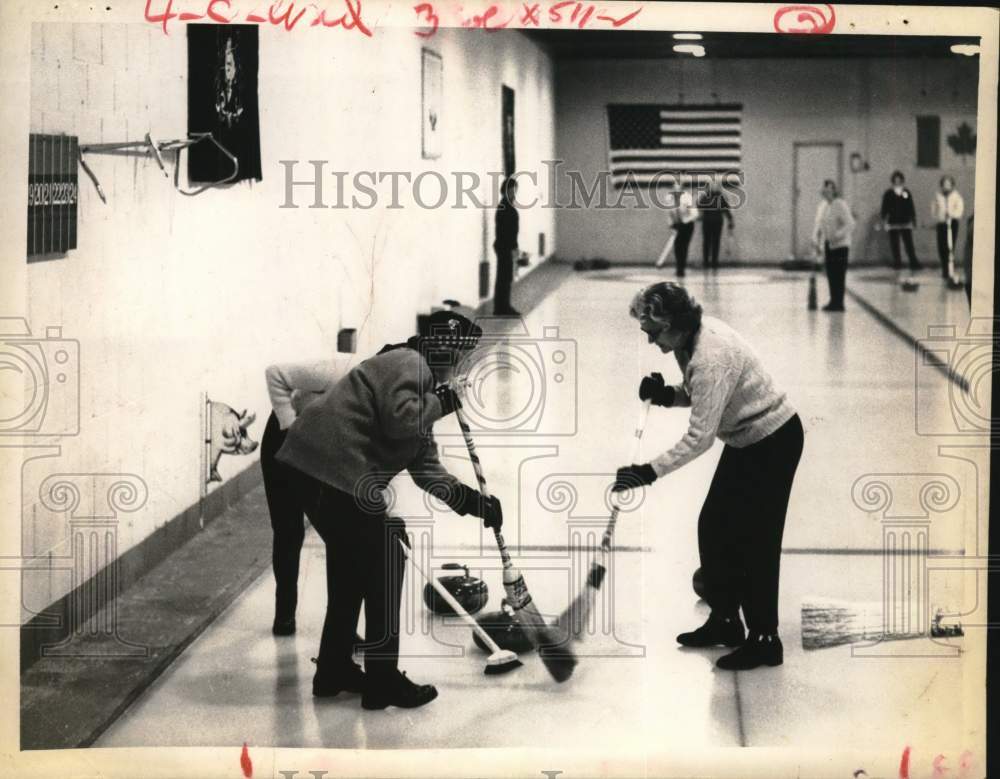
{"x":171,"y":296}
{"x":869,"y":105}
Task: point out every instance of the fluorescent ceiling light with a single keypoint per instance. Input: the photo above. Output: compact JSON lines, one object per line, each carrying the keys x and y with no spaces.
{"x":687,"y":36}
{"x":969,"y":50}
{"x":690,"y":48}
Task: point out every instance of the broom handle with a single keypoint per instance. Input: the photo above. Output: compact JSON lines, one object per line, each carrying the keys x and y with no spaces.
{"x":450,"y":600}
{"x":481,"y":479}
{"x":609,"y":531}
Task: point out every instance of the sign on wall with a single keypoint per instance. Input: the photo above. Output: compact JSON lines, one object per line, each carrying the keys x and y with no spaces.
{"x":52,"y":194}
{"x":431,"y":99}
{"x":222,"y":100}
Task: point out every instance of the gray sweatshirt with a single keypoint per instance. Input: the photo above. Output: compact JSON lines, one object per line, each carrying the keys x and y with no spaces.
{"x":364,"y":425}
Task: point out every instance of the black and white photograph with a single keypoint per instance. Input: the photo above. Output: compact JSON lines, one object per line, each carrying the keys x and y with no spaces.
{"x":498,"y":389}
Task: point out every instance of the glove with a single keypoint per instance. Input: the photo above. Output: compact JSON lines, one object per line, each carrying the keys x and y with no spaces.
{"x":632,"y":476}
{"x":449,"y":399}
{"x":492,"y":512}
{"x":654,"y":389}
{"x":465,"y":500}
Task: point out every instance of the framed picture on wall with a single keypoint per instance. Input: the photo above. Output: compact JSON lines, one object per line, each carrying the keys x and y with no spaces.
{"x":222,"y":99}
{"x":430,"y":107}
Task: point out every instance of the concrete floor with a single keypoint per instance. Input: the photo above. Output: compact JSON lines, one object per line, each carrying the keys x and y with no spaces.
{"x":854,"y":383}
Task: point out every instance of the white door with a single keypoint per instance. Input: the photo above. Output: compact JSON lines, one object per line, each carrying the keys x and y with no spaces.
{"x":813,"y":163}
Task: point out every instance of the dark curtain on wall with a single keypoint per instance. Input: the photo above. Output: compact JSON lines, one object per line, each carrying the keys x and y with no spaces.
{"x":222,"y":99}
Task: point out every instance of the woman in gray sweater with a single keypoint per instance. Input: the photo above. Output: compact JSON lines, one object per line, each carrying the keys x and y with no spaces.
{"x":342,"y":451}
{"x":732,"y":398}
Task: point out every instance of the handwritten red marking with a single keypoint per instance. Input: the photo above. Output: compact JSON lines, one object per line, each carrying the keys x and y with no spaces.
{"x":349,"y":20}
{"x":165,"y":17}
{"x":530,"y":15}
{"x":554,"y":10}
{"x":245,"y":763}
{"x":284,"y":17}
{"x":623,"y":20}
{"x":965,"y":762}
{"x":904,"y":764}
{"x":483,"y":22}
{"x":431,"y":17}
{"x":586,"y":16}
{"x":939,"y":769}
{"x":814,"y":17}
{"x":215,"y":16}
{"x":186,"y":16}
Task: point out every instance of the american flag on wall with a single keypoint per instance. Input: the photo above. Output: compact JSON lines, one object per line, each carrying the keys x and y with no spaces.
{"x":674,"y":141}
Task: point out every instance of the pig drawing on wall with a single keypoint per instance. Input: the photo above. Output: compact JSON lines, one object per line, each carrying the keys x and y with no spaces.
{"x":227,"y":435}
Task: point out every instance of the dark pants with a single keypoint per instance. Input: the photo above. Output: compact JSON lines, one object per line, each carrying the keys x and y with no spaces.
{"x":741,"y":525}
{"x":287,"y":520}
{"x":942,"y":243}
{"x":906,"y":236}
{"x":681,"y":244}
{"x":505,"y":278}
{"x":364,"y":564}
{"x":711,"y":235}
{"x":836,"y":274}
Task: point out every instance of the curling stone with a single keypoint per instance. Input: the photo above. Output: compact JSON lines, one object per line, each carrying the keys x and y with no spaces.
{"x":698,"y":582}
{"x":504,"y":629}
{"x":470,"y":592}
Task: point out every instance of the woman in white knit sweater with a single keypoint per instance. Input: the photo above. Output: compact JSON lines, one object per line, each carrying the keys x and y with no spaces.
{"x":734,"y":399}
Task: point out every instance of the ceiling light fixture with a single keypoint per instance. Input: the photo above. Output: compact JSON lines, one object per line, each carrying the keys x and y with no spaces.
{"x":687,"y":36}
{"x":690,"y":48}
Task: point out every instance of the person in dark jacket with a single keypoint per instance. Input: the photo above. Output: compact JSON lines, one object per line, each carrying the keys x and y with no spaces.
{"x":713,"y":208}
{"x":506,"y":224}
{"x":344,"y":448}
{"x":898,"y":219}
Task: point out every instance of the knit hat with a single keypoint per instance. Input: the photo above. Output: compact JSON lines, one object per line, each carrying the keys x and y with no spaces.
{"x":449,"y":330}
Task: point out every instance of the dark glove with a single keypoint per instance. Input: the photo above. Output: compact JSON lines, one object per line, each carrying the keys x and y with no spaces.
{"x":465,"y":500}
{"x":632,"y":476}
{"x":654,"y":389}
{"x":449,"y":399}
{"x":492,"y":512}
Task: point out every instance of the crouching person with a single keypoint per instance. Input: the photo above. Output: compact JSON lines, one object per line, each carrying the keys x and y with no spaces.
{"x":345,"y":448}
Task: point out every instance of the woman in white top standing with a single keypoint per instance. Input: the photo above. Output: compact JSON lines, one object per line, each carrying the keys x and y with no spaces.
{"x":947,"y":210}
{"x":741,"y":524}
{"x":682,"y":218}
{"x":832,"y":234}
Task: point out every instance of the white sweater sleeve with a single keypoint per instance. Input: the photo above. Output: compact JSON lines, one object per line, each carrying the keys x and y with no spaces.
{"x":711,"y":388}
{"x":287,"y":379}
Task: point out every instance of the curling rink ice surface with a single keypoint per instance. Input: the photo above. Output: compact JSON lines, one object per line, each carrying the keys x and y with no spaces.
{"x":863,"y":399}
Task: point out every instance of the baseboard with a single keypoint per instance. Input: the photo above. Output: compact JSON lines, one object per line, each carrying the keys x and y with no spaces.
{"x":52,"y":625}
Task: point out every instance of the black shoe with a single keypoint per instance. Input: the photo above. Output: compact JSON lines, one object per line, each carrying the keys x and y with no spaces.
{"x":717,"y":631}
{"x":283,"y":627}
{"x":398,"y":690}
{"x":329,"y":684}
{"x":831,"y":307}
{"x":757,"y":651}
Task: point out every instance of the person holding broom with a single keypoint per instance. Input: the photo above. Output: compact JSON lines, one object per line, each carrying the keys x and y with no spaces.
{"x":733,"y":398}
{"x":342,"y":450}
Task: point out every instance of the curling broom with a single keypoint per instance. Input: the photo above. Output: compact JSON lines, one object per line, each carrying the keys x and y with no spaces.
{"x":827,"y":623}
{"x":558,"y":660}
{"x":578,"y":612}
{"x":662,"y":260}
{"x":500,"y":660}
